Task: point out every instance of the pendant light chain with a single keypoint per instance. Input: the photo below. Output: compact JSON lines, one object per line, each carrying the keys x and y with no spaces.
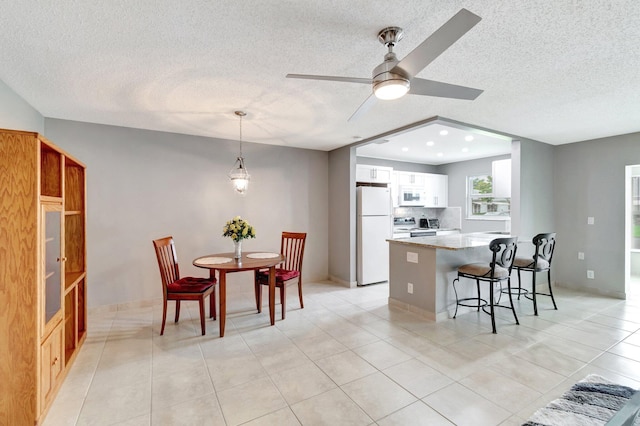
{"x":240,"y":135}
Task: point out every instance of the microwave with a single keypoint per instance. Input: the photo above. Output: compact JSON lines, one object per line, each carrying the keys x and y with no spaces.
{"x":411,"y":196}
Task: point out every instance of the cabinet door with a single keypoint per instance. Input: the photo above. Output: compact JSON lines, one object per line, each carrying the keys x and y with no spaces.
{"x":436,"y":188}
{"x":501,"y":178}
{"x":51,"y":364}
{"x":52,"y":267}
{"x":363,"y":173}
{"x":373,"y":174}
{"x":411,"y":179}
{"x":383,"y":174}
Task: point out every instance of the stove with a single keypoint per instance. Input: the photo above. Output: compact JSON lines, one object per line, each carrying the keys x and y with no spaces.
{"x":405,"y":227}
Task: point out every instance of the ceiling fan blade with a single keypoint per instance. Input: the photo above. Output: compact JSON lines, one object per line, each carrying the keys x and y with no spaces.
{"x":421,"y":86}
{"x":332,"y":78}
{"x":438,"y":42}
{"x":363,"y":108}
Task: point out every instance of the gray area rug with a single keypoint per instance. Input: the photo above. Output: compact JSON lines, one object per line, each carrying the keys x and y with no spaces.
{"x":590,"y":402}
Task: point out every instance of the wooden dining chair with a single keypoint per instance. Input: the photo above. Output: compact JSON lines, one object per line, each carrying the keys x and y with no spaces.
{"x":186,"y":288}
{"x":292,"y":247}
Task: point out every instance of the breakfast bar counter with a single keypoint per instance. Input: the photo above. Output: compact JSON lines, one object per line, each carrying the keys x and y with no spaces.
{"x":421,"y":270}
{"x":451,"y":242}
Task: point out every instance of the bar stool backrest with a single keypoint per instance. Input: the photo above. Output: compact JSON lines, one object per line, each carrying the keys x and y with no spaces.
{"x":504,"y":252}
{"x":545,"y":245}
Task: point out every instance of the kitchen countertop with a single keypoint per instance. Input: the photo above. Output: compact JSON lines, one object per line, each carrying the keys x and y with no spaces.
{"x":452,"y":242}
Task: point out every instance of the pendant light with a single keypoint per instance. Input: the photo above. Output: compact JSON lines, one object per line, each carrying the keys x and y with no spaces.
{"x":239,"y":175}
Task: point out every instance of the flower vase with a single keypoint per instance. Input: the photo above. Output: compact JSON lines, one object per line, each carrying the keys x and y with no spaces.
{"x":238,"y":250}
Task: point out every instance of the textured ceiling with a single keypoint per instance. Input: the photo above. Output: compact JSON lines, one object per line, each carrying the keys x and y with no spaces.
{"x":554,"y":71}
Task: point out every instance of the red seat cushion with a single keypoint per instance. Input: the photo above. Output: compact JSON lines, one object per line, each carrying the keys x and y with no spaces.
{"x":190,"y":285}
{"x":282,"y":275}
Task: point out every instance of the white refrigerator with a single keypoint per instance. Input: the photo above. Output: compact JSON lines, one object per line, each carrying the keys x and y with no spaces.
{"x":374,"y":227}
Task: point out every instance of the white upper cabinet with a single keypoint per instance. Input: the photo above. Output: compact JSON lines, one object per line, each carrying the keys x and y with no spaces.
{"x":373,"y":174}
{"x":410,"y":178}
{"x":436,"y":190}
{"x":501,"y":178}
{"x":435,"y":187}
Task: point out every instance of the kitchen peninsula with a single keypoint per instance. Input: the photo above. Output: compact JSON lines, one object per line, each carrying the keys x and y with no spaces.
{"x":421,"y":270}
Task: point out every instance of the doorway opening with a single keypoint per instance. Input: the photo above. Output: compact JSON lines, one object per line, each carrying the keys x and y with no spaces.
{"x":632,"y":231}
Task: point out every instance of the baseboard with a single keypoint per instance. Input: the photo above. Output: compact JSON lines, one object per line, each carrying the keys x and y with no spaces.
{"x":105,"y":309}
{"x":592,"y":290}
{"x":431,"y":316}
{"x":352,"y":284}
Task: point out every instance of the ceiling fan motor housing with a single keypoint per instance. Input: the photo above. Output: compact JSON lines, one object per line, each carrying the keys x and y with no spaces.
{"x":383,"y":75}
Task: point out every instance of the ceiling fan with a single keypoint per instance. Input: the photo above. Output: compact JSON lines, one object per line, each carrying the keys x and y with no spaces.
{"x":393,"y":79}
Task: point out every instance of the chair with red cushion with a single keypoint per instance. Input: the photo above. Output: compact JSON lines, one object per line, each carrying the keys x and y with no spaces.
{"x":292,"y":247}
{"x":178,"y":289}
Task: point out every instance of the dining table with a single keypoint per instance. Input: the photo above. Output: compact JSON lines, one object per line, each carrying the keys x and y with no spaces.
{"x":224,"y":263}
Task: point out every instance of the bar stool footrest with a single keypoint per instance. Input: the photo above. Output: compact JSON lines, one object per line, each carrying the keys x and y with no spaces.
{"x":516,"y":291}
{"x":483,"y":302}
{"x":495,"y":305}
{"x":530,"y":295}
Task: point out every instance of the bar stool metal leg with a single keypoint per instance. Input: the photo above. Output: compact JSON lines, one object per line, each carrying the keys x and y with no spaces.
{"x":551,"y":291}
{"x":533,"y":290}
{"x":513,"y":309}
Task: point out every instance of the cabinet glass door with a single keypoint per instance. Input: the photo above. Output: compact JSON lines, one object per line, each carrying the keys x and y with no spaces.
{"x":53,"y":263}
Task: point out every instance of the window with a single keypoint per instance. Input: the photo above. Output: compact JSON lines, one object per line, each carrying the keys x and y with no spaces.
{"x":481,"y":204}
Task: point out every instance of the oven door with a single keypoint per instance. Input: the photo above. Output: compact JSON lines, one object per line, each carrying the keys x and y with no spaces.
{"x":423,"y":233}
{"x":411,"y":196}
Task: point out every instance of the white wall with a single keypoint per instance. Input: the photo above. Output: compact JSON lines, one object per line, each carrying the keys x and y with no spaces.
{"x":534,"y":172}
{"x":342,"y":212}
{"x":16,"y":113}
{"x":589,"y":180}
{"x":144,"y":185}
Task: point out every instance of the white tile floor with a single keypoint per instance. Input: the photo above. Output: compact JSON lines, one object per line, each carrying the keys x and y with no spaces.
{"x":346,"y":358}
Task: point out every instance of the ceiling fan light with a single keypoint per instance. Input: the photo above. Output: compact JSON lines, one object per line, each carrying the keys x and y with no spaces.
{"x":391,"y":89}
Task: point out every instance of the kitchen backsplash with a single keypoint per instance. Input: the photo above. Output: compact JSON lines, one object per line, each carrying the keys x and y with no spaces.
{"x":450,"y":217}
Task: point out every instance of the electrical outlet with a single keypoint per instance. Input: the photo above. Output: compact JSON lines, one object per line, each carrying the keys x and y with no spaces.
{"x":580,"y":255}
{"x":591,"y":220}
{"x":590,"y":274}
{"x":409,"y":288}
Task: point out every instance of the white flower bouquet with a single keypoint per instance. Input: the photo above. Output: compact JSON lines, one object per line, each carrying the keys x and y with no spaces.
{"x":238,"y":229}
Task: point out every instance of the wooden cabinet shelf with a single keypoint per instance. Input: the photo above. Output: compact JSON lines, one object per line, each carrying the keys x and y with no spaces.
{"x":71,"y":279}
{"x":43,"y":216}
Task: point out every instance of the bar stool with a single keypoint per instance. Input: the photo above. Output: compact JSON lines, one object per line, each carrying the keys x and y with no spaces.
{"x":545,"y":245}
{"x":498,"y":271}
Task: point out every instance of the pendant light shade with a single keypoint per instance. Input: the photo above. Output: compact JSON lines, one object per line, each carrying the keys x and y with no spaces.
{"x":239,"y":175}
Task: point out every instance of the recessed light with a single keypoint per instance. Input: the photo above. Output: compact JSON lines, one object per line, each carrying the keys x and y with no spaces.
{"x":465,"y":149}
{"x":468,"y":138}
{"x":444,"y":132}
{"x":430,"y":143}
{"x":405,"y":149}
{"x":440,"y":154}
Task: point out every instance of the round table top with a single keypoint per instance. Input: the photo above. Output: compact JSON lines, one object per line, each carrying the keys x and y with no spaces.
{"x":250,"y":260}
